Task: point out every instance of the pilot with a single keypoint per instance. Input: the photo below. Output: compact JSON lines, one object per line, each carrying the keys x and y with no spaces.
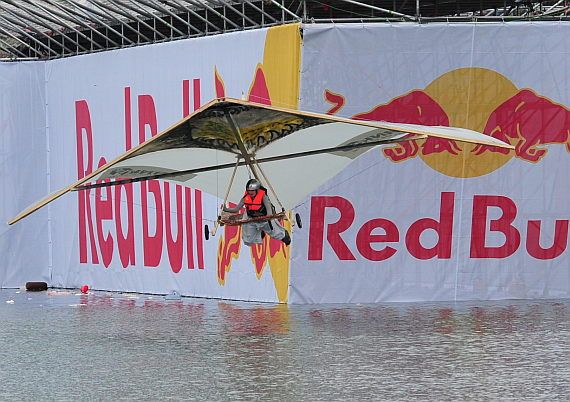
{"x":257,"y":204}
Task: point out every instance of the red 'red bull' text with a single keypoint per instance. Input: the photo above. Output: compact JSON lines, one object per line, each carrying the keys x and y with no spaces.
{"x":322,"y":232}
{"x":161,"y":203}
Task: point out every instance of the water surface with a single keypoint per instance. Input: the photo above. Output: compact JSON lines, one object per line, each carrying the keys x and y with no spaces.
{"x":113,"y":346}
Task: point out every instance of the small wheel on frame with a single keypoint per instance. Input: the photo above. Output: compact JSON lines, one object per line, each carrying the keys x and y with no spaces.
{"x":206,"y":232}
{"x":298,"y":219}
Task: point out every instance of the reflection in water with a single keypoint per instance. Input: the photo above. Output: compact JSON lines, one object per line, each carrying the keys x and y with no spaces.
{"x":255,"y":320}
{"x":138,"y":347}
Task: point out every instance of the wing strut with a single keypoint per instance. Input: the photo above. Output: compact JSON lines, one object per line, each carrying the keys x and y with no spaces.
{"x":271,"y":188}
{"x":240,"y":143}
{"x":225,"y":198}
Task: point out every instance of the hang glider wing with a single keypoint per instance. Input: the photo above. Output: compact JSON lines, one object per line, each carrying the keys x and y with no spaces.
{"x":297,"y":151}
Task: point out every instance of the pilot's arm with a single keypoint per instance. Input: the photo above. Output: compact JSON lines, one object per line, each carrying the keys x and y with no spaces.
{"x":237,"y":207}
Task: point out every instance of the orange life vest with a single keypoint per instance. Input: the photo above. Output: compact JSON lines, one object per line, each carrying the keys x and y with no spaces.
{"x":255,"y":207}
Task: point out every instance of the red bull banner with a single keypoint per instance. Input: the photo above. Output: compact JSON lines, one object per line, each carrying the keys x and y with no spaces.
{"x":437,"y":219}
{"x":423,"y":220}
{"x":144,"y":237}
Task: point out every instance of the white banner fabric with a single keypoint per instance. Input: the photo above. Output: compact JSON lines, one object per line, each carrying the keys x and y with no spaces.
{"x":439,"y":220}
{"x":24,"y":255}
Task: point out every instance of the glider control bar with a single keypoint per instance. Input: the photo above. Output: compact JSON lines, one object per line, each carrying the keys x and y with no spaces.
{"x":164,"y":176}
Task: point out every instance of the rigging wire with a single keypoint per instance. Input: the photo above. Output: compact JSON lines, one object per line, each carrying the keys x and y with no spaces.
{"x":217,"y":172}
{"x":345,"y":180}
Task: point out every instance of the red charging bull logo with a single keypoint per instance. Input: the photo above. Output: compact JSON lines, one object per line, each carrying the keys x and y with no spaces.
{"x":528,"y":121}
{"x":477,"y":99}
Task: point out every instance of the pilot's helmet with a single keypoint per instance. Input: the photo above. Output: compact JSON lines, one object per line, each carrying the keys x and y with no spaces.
{"x":253,"y":184}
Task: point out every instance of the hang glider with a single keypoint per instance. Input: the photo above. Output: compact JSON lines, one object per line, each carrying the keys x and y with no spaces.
{"x":299,"y":151}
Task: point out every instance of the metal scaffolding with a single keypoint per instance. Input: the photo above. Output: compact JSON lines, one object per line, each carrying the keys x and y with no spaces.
{"x":48,"y":29}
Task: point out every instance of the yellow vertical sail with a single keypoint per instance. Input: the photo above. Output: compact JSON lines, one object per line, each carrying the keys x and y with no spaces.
{"x":282,"y":65}
{"x":282,"y":69}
